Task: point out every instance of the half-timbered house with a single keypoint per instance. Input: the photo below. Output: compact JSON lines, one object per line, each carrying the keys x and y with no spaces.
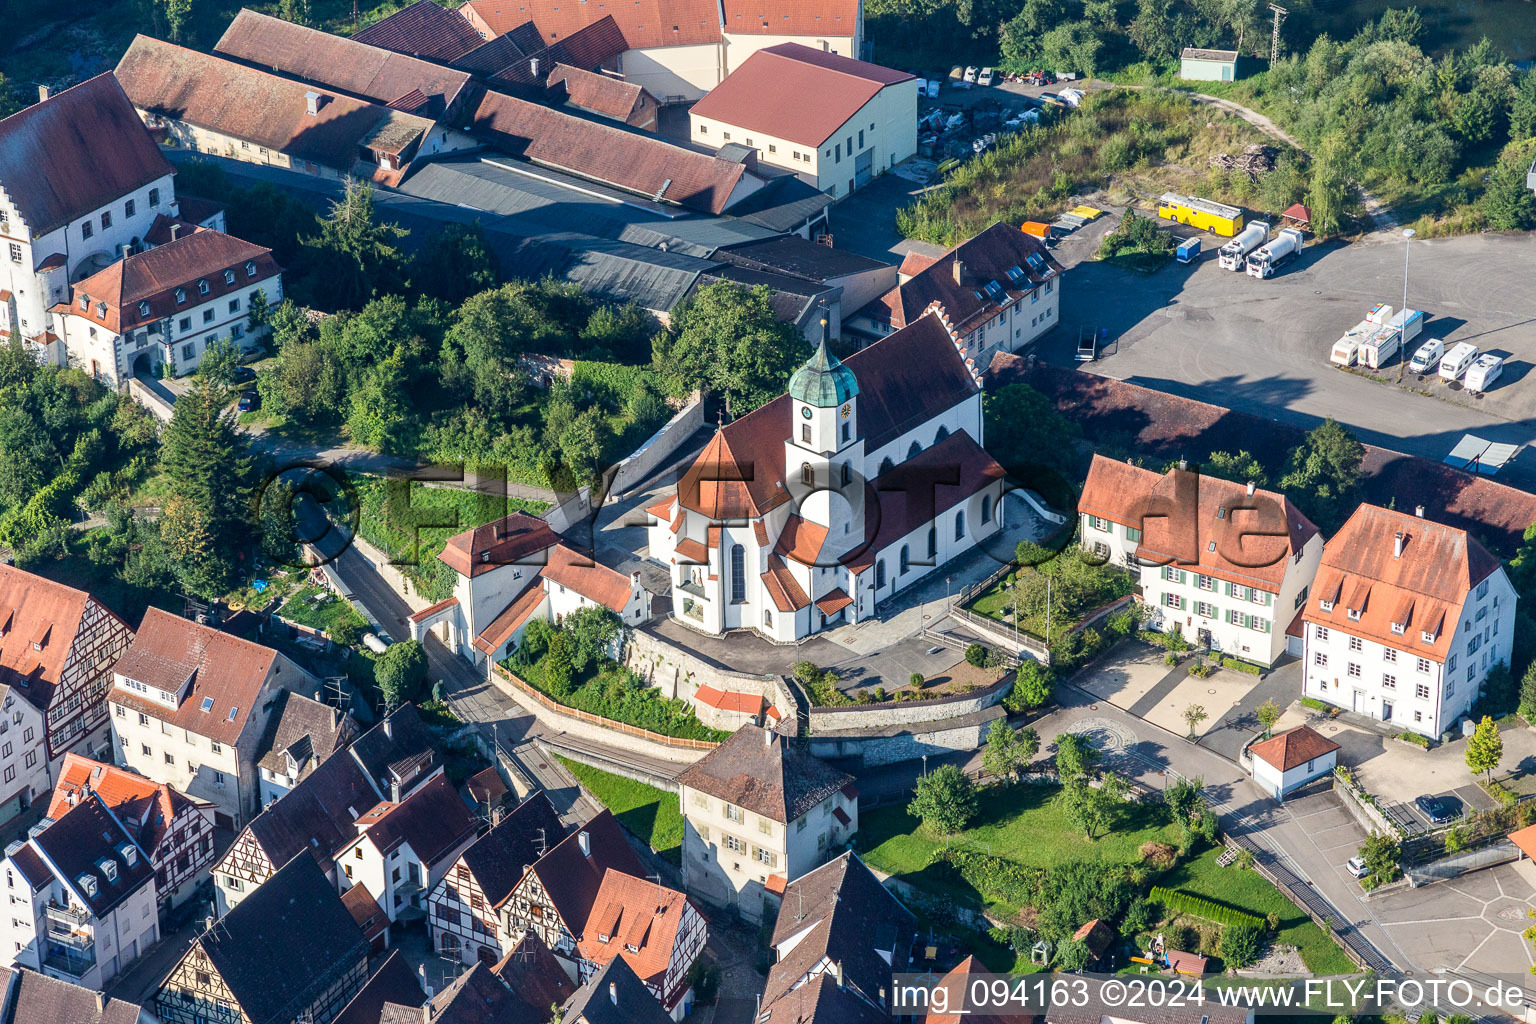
{"x":656,"y":930}
{"x":402,"y":850}
{"x":57,"y":649}
{"x":532,"y":971}
{"x":190,"y":706}
{"x":555,"y":896}
{"x":393,"y":983}
{"x":319,"y":816}
{"x":291,"y":952}
{"x":465,"y":907}
{"x":172,"y":828}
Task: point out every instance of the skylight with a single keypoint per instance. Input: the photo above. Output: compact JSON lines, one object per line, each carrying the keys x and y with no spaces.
{"x":233,"y":712}
{"x":207,"y":704}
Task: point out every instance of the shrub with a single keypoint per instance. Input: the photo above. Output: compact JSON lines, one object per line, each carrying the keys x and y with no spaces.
{"x":916,"y":680}
{"x":1415,"y":739}
{"x":1170,"y":659}
{"x":1314,"y":704}
{"x":1239,"y":665}
{"x":1181,"y":937}
{"x":346,"y":632}
{"x":400,"y":671}
{"x":1159,"y":855}
{"x":1199,"y":906}
{"x":1240,"y":944}
{"x":1139,"y":916}
{"x":976,"y":655}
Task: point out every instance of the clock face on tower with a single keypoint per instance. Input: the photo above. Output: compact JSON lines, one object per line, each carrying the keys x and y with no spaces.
{"x":847,"y":408}
{"x":805,"y":411}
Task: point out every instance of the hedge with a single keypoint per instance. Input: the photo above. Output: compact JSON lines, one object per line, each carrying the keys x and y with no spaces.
{"x":1239,"y":665}
{"x":1316,"y":705}
{"x":1415,"y":739}
{"x":1199,"y":906}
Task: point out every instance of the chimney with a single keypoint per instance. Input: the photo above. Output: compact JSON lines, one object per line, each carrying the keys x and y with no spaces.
{"x":1397,"y":544}
{"x":613,"y":988}
{"x":767,"y":737}
{"x":311,"y":102}
{"x":1250,"y":488}
{"x":959,"y":268}
{"x":127,"y":251}
{"x":101,"y":1002}
{"x":584,"y":840}
{"x":175,"y":230}
{"x":389,"y":729}
{"x":1418,"y":510}
{"x":1184,"y":464}
{"x":42,"y":94}
{"x":837,"y":972}
{"x":533,"y":67}
{"x":208,"y":924}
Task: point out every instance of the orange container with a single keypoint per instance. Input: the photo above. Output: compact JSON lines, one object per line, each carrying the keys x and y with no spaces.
{"x":1034,"y":227}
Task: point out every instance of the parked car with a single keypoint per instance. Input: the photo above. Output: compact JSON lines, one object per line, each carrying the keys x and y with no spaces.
{"x":971,"y":74}
{"x":1356,"y":867}
{"x":1484,"y":371}
{"x":1439,"y":809}
{"x":244,"y":375}
{"x":1427,"y":357}
{"x":248,"y":400}
{"x":986,"y":77}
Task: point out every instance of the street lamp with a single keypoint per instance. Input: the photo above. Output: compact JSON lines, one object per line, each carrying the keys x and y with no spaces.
{"x":1402,"y":355}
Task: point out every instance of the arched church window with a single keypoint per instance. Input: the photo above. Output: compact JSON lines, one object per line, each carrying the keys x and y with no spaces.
{"x":847,"y":474}
{"x":986,"y":508}
{"x":906,"y":559}
{"x":880,"y":574}
{"x":960,"y":524}
{"x":738,"y":573}
{"x":933,"y":542}
{"x":886,"y":465}
{"x":914,"y":451}
{"x":807,"y":474}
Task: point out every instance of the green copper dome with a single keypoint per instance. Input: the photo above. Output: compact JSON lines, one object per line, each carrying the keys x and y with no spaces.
{"x":823,"y":381}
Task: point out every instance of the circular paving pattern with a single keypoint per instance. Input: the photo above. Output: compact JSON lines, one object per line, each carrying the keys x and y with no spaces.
{"x":1506,"y":912}
{"x":1105,"y":735}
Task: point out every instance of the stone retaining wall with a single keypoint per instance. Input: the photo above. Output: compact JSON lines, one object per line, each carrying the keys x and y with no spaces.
{"x":656,"y":449}
{"x":848,"y":718}
{"x":678,"y":673}
{"x":872,"y":748}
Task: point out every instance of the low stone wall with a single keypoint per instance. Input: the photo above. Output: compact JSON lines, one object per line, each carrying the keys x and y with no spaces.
{"x":678,"y":674}
{"x":657,"y":449}
{"x":870,"y":748}
{"x":850,"y":718}
{"x":149,"y":399}
{"x":391,"y":574}
{"x":1368,"y":815}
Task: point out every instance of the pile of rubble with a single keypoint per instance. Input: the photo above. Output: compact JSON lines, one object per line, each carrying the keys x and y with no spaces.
{"x":1253,"y":161}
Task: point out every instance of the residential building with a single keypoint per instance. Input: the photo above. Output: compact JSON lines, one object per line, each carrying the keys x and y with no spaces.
{"x":838,"y":941}
{"x":614,"y":995}
{"x":27,"y":997}
{"x":759,"y":810}
{"x":291,"y":952}
{"x":475,"y":997}
{"x":189,"y":708}
{"x":1405,"y":619}
{"x":806,"y":513}
{"x":656,"y":930}
{"x":997,"y":292}
{"x":173,"y":830}
{"x":392,"y":984}
{"x":423,"y":29}
{"x":82,"y":898}
{"x":319,"y":815}
{"x":57,"y":648}
{"x":370,"y":917}
{"x":402,"y":850}
{"x":514,"y":570}
{"x":157,"y":311}
{"x":1287,"y":761}
{"x":966,"y":1005}
{"x":532,"y":971}
{"x":301,"y":733}
{"x":64,"y":208}
{"x":678,"y":50}
{"x":1227,"y":565}
{"x":554,"y":897}
{"x":206,"y":104}
{"x":465,"y":918}
{"x":836,"y":122}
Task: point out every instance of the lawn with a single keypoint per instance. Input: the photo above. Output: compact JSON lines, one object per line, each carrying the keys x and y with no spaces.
{"x":325,"y":614}
{"x":1248,"y":890}
{"x":650,"y":813}
{"x":1076,"y":589}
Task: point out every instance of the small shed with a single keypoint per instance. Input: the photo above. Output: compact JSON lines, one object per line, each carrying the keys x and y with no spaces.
{"x":1284,"y":763}
{"x":1191,"y":964}
{"x":1299,"y":216}
{"x":1196,"y":65}
{"x":1098,"y":937}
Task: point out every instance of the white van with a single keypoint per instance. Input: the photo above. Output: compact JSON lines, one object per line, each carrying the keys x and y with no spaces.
{"x":1427,"y":356}
{"x":1457,"y":360}
{"x":1484,"y":372}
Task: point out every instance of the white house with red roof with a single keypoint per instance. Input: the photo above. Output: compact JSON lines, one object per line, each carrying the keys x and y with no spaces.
{"x":803,"y":515}
{"x":1226,"y":564}
{"x":657,"y":931}
{"x":836,"y":122}
{"x":513,"y":571}
{"x":1287,"y":761}
{"x":1405,"y":619}
{"x":164,"y":306}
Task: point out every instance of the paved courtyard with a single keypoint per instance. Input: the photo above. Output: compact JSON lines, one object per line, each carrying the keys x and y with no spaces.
{"x":1472,"y":922}
{"x":1134,"y":678}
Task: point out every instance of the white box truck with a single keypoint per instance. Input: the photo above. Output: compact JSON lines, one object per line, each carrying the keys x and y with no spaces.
{"x":1377,"y":347}
{"x":1278,"y":251}
{"x":1347,"y":349}
{"x":1234,"y":255}
{"x":1457,"y":361}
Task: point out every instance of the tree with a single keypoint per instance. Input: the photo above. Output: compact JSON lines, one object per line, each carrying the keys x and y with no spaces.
{"x":1522,"y":109}
{"x":1268,"y":713}
{"x":207,"y":517}
{"x":380,"y":404}
{"x":401,"y":672}
{"x":1032,"y":687}
{"x":220,"y":361}
{"x":1383,"y":858}
{"x":1004,"y":755}
{"x":1323,"y":474}
{"x":1091,"y":808}
{"x":558,"y":670}
{"x":1507,"y":201}
{"x":1193,"y":716}
{"x":1072,"y":47}
{"x":944,"y":800}
{"x":455,"y":263}
{"x":726,"y":338}
{"x":354,"y":257}
{"x":1075,"y":757}
{"x":1072,"y":955}
{"x":1240,"y":944}
{"x":1485,"y":749}
{"x":1184,"y":797}
{"x":1528,"y":693}
{"x":8,"y":103}
{"x":1156,"y":30}
{"x":593,"y":630}
{"x":1022,"y":426}
{"x":1329,"y":197}
{"x":1239,"y":467}
{"x":1019,"y":38}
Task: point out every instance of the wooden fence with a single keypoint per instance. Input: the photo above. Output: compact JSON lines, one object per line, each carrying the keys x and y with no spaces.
{"x":556,"y":707}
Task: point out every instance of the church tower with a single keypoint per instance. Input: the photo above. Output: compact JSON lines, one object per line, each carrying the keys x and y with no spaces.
{"x":824,"y":454}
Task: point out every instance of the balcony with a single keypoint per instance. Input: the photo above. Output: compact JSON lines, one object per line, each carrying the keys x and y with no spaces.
{"x":75,"y":963}
{"x":70,"y":916}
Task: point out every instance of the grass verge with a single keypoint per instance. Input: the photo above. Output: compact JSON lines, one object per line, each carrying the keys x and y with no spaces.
{"x":650,"y":813}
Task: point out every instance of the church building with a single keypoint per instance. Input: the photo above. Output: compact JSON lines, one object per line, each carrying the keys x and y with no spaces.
{"x":803,"y":515}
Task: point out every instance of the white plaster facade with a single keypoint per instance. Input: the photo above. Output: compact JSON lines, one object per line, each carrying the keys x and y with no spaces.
{"x":25,"y":772}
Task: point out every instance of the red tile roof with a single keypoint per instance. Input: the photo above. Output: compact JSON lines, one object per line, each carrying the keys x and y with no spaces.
{"x":433,"y":820}
{"x":663,"y":508}
{"x":792,"y":17}
{"x":1096,"y":935}
{"x":796,"y":93}
{"x":1293,"y":748}
{"x":513,"y":540}
{"x":29,"y":603}
{"x":447,"y":602}
{"x":801,"y":541}
{"x":768,"y":774}
{"x":589,"y":578}
{"x":646,"y":24}
{"x":691,"y":551}
{"x":966,"y":1006}
{"x":1186,"y":963}
{"x":337,"y":62}
{"x":730,"y":700}
{"x":494,"y":636}
{"x":787,"y":594}
{"x":572,"y":879}
{"x":634,"y":918}
{"x":144,"y":807}
{"x":914,"y":263}
{"x":646,"y":165}
{"x":424,"y":29}
{"x":833,"y":601}
{"x":598,"y":93}
{"x":1371,"y":587}
{"x":224,"y":669}
{"x":365,"y":911}
{"x":531,"y":971}
{"x":113,"y":296}
{"x":51,"y":154}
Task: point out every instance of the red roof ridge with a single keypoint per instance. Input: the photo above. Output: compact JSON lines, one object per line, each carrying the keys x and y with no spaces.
{"x":1293,"y":748}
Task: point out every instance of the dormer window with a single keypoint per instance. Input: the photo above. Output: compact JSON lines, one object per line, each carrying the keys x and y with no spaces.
{"x":202,"y":286}
{"x":631,"y":947}
{"x":229,"y":277}
{"x":108,"y":869}
{"x":1427,"y":637}
{"x":250,"y":268}
{"x":87,"y":885}
{"x":1326,"y":606}
{"x":1399,"y":627}
{"x":181,"y":296}
{"x":143,"y":309}
{"x":101,"y":310}
{"x":85,"y":301}
{"x":1354,"y":615}
{"x":129,"y":853}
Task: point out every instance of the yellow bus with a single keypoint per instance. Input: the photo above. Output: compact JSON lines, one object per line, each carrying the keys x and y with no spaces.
{"x":1200,"y":213}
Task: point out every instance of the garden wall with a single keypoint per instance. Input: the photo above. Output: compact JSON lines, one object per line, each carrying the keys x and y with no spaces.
{"x":850,"y":718}
{"x":390,"y":573}
{"x":657,"y":449}
{"x":872,"y":747}
{"x":678,"y":673}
